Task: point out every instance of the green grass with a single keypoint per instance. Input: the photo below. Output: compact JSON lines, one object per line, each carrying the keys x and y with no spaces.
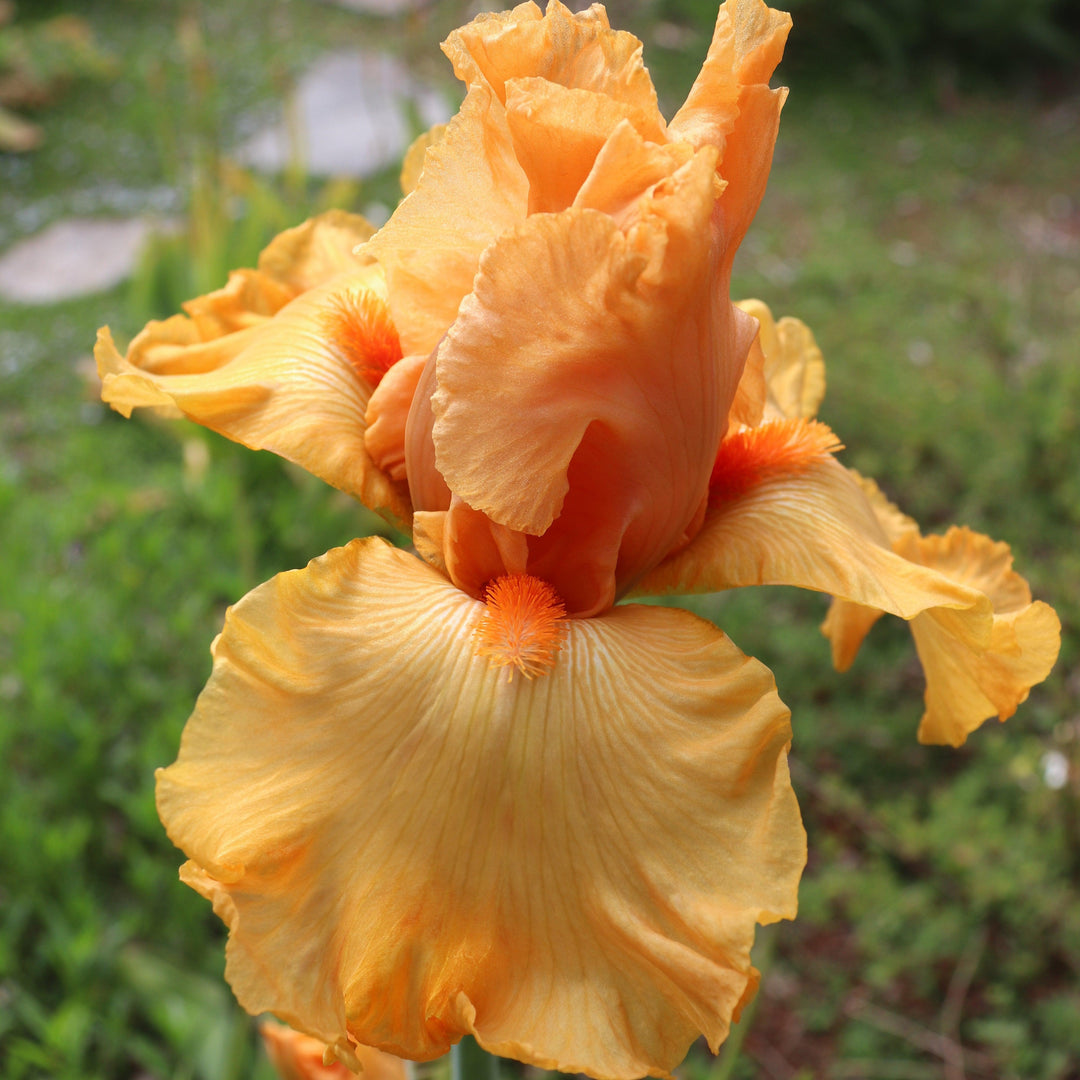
{"x":935,"y":253}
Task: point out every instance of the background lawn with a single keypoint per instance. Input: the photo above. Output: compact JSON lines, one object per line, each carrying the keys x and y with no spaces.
{"x":924,"y":223}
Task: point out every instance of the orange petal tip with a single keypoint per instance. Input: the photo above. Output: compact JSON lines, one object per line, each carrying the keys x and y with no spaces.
{"x":523,"y":624}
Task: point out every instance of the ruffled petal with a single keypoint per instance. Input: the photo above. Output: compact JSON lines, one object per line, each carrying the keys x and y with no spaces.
{"x":316,"y":251}
{"x":630,"y":338}
{"x":575,"y":50}
{"x":625,"y":168}
{"x":412,"y":164}
{"x":409,"y":845}
{"x":848,"y":623}
{"x":792,"y":365}
{"x":249,"y":298}
{"x":810,"y":525}
{"x":289,"y":385}
{"x":967,"y":680}
{"x":731,"y":107}
{"x":558,"y":132}
{"x":747,"y":44}
{"x":470,"y":191}
{"x":966,"y":685}
{"x":216,"y":325}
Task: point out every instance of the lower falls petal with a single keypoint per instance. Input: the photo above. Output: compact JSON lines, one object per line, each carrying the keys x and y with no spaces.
{"x":968,"y":679}
{"x":288,"y":384}
{"x":409,"y":844}
{"x":966,"y":682}
{"x":808,"y":524}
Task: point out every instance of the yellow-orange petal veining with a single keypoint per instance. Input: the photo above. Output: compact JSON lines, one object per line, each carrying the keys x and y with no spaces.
{"x":287,"y":385}
{"x":407,"y":847}
{"x":812,"y":528}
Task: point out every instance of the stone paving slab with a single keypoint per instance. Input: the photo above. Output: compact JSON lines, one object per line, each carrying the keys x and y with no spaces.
{"x":353,"y":117}
{"x":357,"y":114}
{"x":72,"y":257}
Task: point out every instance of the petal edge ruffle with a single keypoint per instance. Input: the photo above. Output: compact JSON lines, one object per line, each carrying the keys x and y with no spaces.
{"x":430,"y":849}
{"x":284,"y":385}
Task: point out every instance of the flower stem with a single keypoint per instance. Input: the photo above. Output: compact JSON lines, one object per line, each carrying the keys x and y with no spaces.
{"x":468,"y":1061}
{"x":729,"y":1054}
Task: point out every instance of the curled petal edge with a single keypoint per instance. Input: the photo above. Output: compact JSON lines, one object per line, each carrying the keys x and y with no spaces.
{"x":513,"y":870}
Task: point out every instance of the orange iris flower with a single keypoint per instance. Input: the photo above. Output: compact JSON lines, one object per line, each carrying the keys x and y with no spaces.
{"x":467,"y":793}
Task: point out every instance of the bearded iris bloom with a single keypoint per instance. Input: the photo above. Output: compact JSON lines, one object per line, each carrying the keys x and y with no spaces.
{"x":467,"y":791}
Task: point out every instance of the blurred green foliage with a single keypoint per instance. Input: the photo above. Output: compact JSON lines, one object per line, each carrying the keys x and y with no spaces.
{"x":37,"y":62}
{"x":935,"y":254}
{"x":232,"y":215}
{"x":987,"y":41}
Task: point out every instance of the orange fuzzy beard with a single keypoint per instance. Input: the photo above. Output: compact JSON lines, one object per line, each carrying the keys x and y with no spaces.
{"x":359,"y":323}
{"x":523,"y":624}
{"x":781,"y":447}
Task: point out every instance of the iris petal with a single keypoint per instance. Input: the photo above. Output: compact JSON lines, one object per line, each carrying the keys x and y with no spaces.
{"x":557,"y":133}
{"x":285,"y":385}
{"x":747,"y":43}
{"x":628,"y":381}
{"x":812,"y":528}
{"x":791,"y":364}
{"x":967,"y":685}
{"x":967,"y":681}
{"x":315,"y":251}
{"x":300,"y":1057}
{"x":575,"y":50}
{"x":731,"y":107}
{"x":471,"y":190}
{"x":408,"y":846}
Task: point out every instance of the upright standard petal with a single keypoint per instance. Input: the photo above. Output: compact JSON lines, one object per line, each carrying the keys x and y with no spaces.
{"x":557,"y":133}
{"x":297,"y":384}
{"x":594,"y":438}
{"x":408,"y":844}
{"x":412,"y":166}
{"x":732,"y":108}
{"x":470,"y":191}
{"x":578,"y":51}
